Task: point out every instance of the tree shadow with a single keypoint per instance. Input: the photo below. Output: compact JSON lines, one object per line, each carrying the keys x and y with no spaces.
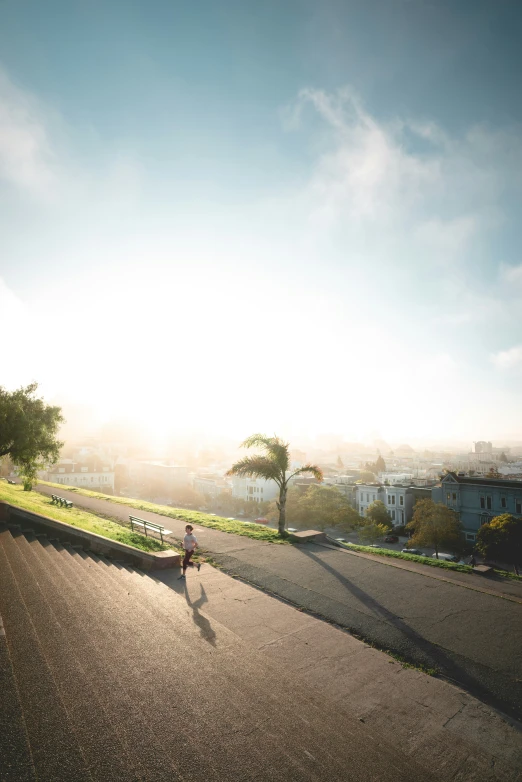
{"x":201,"y":621}
{"x":484,"y":683}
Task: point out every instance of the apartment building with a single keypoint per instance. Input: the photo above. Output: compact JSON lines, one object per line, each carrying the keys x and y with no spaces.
{"x":477,"y":500}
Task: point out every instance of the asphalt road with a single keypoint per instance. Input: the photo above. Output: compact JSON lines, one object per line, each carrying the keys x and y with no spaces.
{"x":471,"y":638}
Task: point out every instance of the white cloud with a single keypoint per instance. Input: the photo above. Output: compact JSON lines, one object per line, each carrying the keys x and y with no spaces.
{"x":20,"y":362}
{"x":508,"y":359}
{"x":26,"y":157}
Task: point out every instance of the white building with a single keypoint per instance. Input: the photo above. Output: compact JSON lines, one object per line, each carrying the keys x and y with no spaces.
{"x":97,"y":477}
{"x":254,"y":489}
{"x":398,"y":500}
{"x":396,"y":477}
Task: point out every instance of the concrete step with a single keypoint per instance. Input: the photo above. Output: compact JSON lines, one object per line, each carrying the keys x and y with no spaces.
{"x":105,"y":755}
{"x":200,"y":701}
{"x":238,"y":676}
{"x":55,"y":750}
{"x":16,"y":763}
{"x":150,"y":660}
{"x":145,"y":753}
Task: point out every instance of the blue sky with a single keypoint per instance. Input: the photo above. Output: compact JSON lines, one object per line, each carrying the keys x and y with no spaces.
{"x":314,"y":203}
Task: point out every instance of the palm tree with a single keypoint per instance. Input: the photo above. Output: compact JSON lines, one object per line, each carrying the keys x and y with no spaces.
{"x":272,"y":466}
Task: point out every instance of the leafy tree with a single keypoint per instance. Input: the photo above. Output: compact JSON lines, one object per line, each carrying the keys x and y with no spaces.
{"x":501,"y":539}
{"x":272,"y":465}
{"x":503,"y":457}
{"x":365,"y":476}
{"x":372,"y":532}
{"x":434,"y":524}
{"x":493,"y":473}
{"x":380,"y":464}
{"x":378,"y":514}
{"x":340,"y":464}
{"x":28,"y":429}
{"x":326,"y":506}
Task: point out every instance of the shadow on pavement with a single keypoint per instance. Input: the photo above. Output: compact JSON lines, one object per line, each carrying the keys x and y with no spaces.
{"x":433,"y":656}
{"x":202,"y":622}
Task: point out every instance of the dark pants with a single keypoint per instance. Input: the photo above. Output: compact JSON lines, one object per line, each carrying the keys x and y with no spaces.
{"x":186,"y":560}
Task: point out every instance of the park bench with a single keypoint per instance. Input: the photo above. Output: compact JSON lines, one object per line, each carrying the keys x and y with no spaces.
{"x":61,"y":501}
{"x":149,"y":525}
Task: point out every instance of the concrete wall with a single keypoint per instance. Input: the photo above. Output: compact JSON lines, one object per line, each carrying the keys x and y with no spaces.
{"x":89,"y":541}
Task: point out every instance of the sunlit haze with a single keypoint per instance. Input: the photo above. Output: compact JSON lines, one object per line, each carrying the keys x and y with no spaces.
{"x":285,"y":217}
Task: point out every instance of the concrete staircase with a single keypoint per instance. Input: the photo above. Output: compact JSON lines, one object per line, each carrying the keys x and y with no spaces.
{"x":107,"y":675}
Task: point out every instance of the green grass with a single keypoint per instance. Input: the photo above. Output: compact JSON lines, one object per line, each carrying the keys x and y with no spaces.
{"x":247,"y":529}
{"x":385,"y":552}
{"x":39,"y":503}
{"x":432,"y":561}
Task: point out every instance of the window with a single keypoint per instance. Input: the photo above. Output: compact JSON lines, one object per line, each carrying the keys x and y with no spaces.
{"x":448,"y":498}
{"x":401,"y":499}
{"x":454,"y":497}
{"x":470,"y":536}
{"x":503,"y":502}
{"x":518,"y":506}
{"x":373,"y":497}
{"x":482,"y":502}
{"x":393,"y":515}
{"x":393,"y":499}
{"x":402,"y":516}
{"x":389,"y":499}
{"x":367,"y":498}
{"x":488,"y":502}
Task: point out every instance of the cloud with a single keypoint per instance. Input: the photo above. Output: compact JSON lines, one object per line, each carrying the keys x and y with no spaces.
{"x":26,"y":158}
{"x":508,"y":359}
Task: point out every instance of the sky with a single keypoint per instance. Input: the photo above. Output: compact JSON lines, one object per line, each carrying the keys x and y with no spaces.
{"x":292,"y":217}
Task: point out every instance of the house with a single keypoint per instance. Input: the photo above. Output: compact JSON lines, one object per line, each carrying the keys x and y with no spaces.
{"x":477,"y":500}
{"x":254,"y":489}
{"x":87,"y":475}
{"x":398,"y":499}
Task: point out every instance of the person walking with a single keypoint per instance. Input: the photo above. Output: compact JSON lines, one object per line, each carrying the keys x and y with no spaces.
{"x":190,"y":544}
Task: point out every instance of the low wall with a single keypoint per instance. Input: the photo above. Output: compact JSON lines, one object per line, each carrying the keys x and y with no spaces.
{"x":90,"y":541}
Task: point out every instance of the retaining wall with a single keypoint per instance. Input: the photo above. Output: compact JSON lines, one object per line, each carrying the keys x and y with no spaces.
{"x":90,"y":541}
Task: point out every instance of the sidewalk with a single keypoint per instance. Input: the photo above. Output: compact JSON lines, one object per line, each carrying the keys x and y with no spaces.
{"x":445,"y":730}
{"x":474,"y":638}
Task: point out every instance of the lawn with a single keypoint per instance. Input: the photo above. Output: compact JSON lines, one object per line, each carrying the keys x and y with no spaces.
{"x":39,"y":503}
{"x":432,"y":561}
{"x":236,"y":527}
{"x":386,"y":552}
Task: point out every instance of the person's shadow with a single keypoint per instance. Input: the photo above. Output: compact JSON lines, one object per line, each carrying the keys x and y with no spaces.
{"x":202,"y":622}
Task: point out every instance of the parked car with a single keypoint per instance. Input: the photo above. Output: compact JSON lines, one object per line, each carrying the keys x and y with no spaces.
{"x":391,"y":539}
{"x":447,"y":557}
{"x":413,"y":551}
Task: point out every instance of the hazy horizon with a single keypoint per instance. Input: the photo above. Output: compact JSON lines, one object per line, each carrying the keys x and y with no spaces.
{"x":291,"y":218}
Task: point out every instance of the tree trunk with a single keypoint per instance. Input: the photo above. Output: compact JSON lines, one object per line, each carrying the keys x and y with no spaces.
{"x":282,"y":510}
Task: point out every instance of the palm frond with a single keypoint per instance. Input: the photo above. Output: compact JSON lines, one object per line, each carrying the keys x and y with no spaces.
{"x":256,"y":467}
{"x":275,"y":448}
{"x":310,"y":468}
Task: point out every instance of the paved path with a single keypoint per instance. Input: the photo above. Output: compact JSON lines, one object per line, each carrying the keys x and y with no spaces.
{"x":473,"y":638}
{"x":444,"y":730}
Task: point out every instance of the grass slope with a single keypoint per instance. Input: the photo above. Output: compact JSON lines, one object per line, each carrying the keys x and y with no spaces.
{"x":432,"y":561}
{"x":39,"y":503}
{"x":386,"y":552}
{"x":245,"y":528}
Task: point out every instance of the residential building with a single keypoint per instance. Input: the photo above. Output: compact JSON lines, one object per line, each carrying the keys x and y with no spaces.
{"x":211,"y":486}
{"x":366,"y":494}
{"x":94,"y":476}
{"x":398,"y":499}
{"x":477,"y":500}
{"x":254,"y":489}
